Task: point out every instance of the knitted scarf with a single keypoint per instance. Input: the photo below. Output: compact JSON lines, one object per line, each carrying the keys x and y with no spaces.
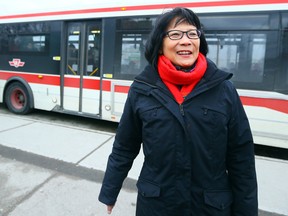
{"x":174,"y":79}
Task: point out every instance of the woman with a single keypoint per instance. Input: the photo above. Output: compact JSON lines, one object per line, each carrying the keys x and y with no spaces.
{"x":199,"y":156}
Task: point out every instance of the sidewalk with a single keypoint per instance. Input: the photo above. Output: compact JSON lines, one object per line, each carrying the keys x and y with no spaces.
{"x":28,"y":190}
{"x":73,"y":145}
{"x":58,"y":170}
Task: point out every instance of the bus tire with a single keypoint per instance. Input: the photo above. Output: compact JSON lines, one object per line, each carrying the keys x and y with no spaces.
{"x":17,"y":98}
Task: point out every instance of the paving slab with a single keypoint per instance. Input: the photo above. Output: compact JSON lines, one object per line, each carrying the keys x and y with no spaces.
{"x":30,"y":190}
{"x":65,"y":195}
{"x":7,"y":123}
{"x":272,"y":176}
{"x":54,"y":141}
{"x":18,"y":181}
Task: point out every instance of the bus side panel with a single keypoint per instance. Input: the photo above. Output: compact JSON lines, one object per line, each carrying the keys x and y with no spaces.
{"x":28,"y":51}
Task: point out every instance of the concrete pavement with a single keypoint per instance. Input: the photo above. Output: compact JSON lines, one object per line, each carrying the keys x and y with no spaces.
{"x":51,"y":169}
{"x":28,"y":190}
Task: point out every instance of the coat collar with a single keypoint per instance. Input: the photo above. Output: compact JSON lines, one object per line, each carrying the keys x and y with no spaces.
{"x":212,"y":77}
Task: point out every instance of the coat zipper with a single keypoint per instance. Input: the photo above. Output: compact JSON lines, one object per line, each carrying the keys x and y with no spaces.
{"x":181,"y":109}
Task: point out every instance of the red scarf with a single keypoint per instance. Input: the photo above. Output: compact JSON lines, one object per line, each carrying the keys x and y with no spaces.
{"x":174,"y":78}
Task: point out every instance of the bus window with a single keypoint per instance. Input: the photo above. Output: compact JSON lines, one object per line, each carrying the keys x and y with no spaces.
{"x":24,"y":43}
{"x":247,"y":49}
{"x":131,"y":36}
{"x":285,"y":51}
{"x":238,"y":22}
{"x":132,"y":52}
{"x":241,"y":54}
{"x":282,"y":78}
{"x":73,"y":48}
{"x":83,"y":48}
{"x":93,"y":54}
{"x":23,"y":38}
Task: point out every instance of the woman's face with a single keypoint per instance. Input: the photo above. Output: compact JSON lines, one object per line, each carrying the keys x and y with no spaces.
{"x":183,"y":52}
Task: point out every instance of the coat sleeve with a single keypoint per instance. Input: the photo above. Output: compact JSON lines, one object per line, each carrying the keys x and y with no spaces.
{"x":125,"y":149}
{"x":241,"y":161}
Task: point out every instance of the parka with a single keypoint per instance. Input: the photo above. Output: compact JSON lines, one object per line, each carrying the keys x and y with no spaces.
{"x":199,"y":155}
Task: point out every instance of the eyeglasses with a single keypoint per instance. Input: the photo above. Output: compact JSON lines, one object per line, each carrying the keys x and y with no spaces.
{"x":177,"y":34}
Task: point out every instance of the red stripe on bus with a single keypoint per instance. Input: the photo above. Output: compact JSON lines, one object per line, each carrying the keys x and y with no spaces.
{"x":32,"y":78}
{"x":148,"y":7}
{"x":122,"y":89}
{"x":91,"y":84}
{"x":94,"y":84}
{"x":275,"y":104}
{"x":73,"y":82}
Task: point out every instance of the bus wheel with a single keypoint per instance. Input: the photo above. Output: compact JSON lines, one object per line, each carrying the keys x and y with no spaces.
{"x":17,"y":98}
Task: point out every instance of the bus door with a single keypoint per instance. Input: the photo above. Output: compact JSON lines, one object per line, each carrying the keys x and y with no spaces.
{"x":81,"y":91}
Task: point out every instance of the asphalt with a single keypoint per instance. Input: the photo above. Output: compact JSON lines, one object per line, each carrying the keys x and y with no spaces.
{"x":52,"y":169}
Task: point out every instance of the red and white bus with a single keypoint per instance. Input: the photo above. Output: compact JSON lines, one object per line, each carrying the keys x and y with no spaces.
{"x":80,"y":57}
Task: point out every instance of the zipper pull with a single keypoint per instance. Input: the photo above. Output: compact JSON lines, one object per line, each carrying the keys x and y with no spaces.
{"x":205,"y":111}
{"x":181,"y":109}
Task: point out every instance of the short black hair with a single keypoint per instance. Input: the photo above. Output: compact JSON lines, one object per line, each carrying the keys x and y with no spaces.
{"x":155,"y":40}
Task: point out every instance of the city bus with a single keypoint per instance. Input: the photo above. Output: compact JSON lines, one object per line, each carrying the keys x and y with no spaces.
{"x":80,"y":57}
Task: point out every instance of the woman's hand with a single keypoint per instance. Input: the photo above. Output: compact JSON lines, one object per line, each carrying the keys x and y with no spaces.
{"x":109,"y":208}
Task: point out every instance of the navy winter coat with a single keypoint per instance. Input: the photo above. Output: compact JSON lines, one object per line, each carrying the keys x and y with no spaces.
{"x":199,"y":156}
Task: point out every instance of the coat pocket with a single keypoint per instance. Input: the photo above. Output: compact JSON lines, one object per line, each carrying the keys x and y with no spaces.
{"x":219,"y":199}
{"x":147,"y":188}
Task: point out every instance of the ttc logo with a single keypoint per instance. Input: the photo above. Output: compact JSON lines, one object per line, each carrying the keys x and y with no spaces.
{"x":16,"y":63}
